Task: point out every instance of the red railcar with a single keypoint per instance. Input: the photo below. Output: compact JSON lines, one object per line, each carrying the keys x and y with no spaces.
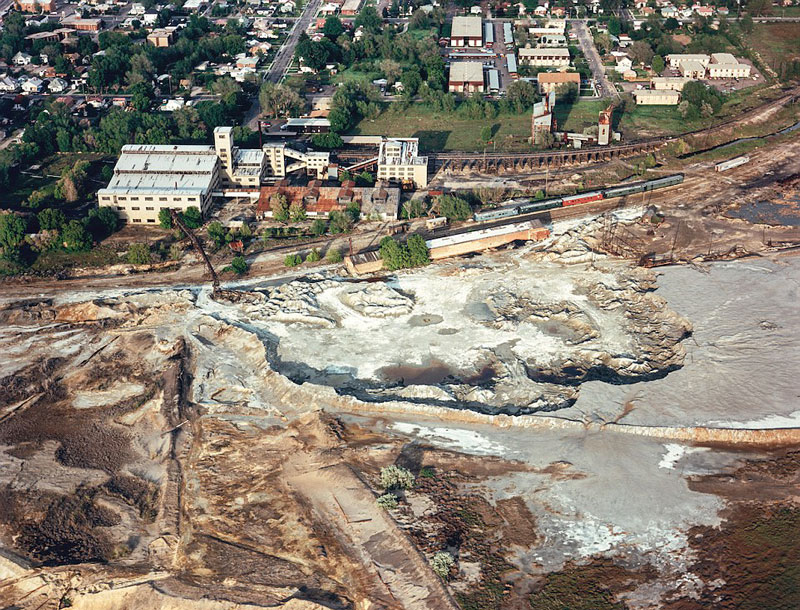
{"x":582,"y":198}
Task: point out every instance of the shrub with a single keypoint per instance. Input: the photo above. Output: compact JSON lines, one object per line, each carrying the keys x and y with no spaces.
{"x":139,"y":254}
{"x":387,"y":501}
{"x":216,"y":232}
{"x":334,"y":255}
{"x":396,"y":477}
{"x":313,"y":256}
{"x":175,"y":252}
{"x":51,"y":218}
{"x":239,"y":265}
{"x":318,"y":227}
{"x":292,"y":260}
{"x":427,"y":472}
{"x":441,"y":563}
{"x":455,"y":208}
{"x":75,"y":237}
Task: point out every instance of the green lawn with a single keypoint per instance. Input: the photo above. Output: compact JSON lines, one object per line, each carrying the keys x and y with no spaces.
{"x":578,"y":116}
{"x":449,"y":131}
{"x":350,"y":75}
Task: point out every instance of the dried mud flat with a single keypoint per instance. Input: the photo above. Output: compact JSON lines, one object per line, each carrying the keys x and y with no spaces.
{"x":153,"y":454}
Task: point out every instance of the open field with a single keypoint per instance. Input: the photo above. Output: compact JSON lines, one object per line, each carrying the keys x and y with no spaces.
{"x":776,"y":42}
{"x":438,"y":131}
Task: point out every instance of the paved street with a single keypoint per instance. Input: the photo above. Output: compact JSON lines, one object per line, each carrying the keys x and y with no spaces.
{"x":283,"y":58}
{"x":604,"y":85}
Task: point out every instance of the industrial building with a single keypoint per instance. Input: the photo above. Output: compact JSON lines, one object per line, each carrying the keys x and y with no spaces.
{"x":656,"y":97}
{"x":545,"y":56}
{"x":550,"y":81}
{"x":149,"y":177}
{"x":466,"y":77}
{"x":467,"y":31}
{"x":399,"y":161}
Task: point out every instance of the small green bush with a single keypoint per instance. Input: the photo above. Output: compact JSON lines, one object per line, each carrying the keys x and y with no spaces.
{"x":396,"y":477}
{"x":292,"y":260}
{"x":387,"y":501}
{"x":441,"y":563}
{"x":313,"y":256}
{"x":334,"y":255}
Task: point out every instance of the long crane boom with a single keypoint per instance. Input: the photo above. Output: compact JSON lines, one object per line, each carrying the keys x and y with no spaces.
{"x":176,"y":219}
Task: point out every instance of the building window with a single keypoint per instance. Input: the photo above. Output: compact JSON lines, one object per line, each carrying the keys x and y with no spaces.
{"x":162,"y":198}
{"x":149,"y":207}
{"x":119,"y":207}
{"x":105,"y":198}
{"x":150,"y":220}
{"x":135,"y":208}
{"x":134,"y":199}
{"x":137,"y":220}
{"x":121,"y":198}
{"x":148,"y":199}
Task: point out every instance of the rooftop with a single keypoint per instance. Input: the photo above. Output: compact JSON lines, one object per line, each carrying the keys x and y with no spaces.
{"x":559,"y":77}
{"x":544,"y":51}
{"x":466,"y":27}
{"x":400,"y":151}
{"x":166,"y":159}
{"x":466,"y":72}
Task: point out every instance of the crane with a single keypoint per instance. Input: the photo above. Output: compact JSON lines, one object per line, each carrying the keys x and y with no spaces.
{"x":176,"y":219}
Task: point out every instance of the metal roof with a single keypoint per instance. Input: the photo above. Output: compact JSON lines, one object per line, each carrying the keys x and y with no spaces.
{"x":166,"y":159}
{"x":511,"y":60}
{"x":488,"y":32}
{"x":466,"y":72}
{"x":466,"y":27}
{"x":494,"y":79}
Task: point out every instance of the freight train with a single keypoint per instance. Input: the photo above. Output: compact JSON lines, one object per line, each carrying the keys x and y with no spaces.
{"x":526,"y":206}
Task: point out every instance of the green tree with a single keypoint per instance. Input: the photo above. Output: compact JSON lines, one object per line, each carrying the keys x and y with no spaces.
{"x":297,"y":213}
{"x":279,"y":100}
{"x":139,"y":254}
{"x":165,"y":218}
{"x":521,"y":95}
{"x":70,"y":186}
{"x":746,"y":23}
{"x":333,"y":28}
{"x":454,"y":207}
{"x":102,"y":222}
{"x":217,"y":233}
{"x":192,"y":217}
{"x":51,"y":219}
{"x":418,"y":251}
{"x":614,"y":26}
{"x":658,"y":64}
{"x":279,"y":206}
{"x":239,"y":265}
{"x":327,"y":141}
{"x":318,"y":227}
{"x":12,"y":233}
{"x":486,"y":133}
{"x":142,"y":96}
{"x":75,"y":237}
{"x":369,"y":18}
{"x":340,"y":222}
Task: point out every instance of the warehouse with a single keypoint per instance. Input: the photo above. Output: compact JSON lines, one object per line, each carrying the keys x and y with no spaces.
{"x":466,"y":77}
{"x":149,"y":177}
{"x":551,"y":81}
{"x":653,"y":97}
{"x":466,"y":32}
{"x":488,"y":33}
{"x":545,"y":56}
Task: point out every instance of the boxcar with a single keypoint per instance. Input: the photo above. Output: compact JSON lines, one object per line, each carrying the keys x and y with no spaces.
{"x":664,"y":182}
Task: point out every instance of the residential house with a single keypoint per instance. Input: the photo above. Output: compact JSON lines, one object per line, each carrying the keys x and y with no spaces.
{"x":8,"y":84}
{"x":33,"y":85}
{"x":58,"y":85}
{"x":21,"y":59}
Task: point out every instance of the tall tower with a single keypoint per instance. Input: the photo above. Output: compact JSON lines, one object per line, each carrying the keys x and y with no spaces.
{"x":604,"y":127}
{"x":223,"y":143}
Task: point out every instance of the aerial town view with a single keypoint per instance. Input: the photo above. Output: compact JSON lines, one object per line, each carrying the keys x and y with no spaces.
{"x":400,"y":304}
